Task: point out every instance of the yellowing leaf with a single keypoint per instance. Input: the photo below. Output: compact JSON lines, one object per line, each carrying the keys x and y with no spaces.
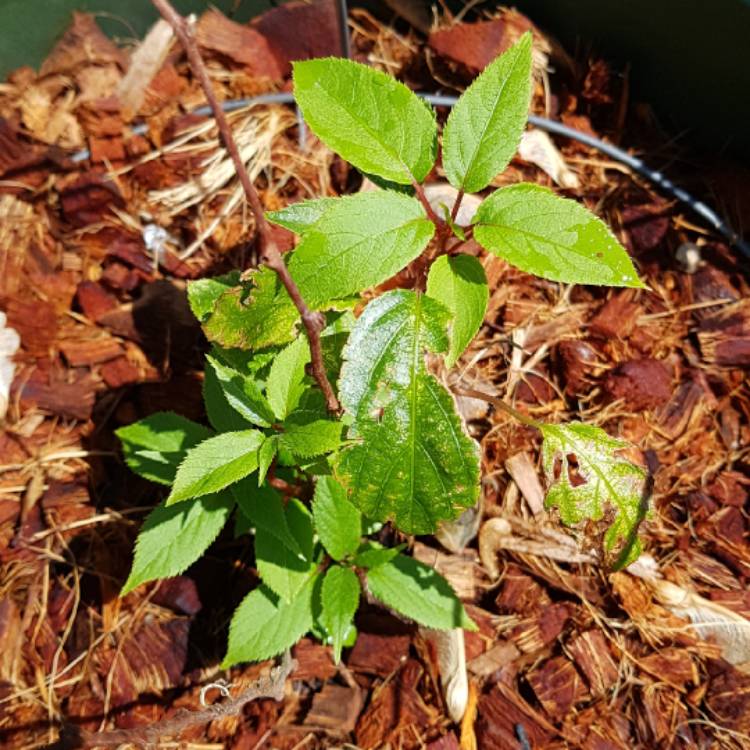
{"x":588,"y":479}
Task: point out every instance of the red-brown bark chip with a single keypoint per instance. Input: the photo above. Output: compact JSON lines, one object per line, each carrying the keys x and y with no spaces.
{"x":617,"y":317}
{"x":593,"y":656}
{"x":558,"y":686}
{"x":241,"y":44}
{"x":500,"y":710}
{"x":641,"y":383}
{"x":300,"y":31}
{"x":94,"y":300}
{"x":476,"y":45}
{"x":378,"y":654}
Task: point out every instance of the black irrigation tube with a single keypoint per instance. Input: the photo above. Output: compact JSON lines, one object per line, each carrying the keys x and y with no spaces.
{"x":544,"y":123}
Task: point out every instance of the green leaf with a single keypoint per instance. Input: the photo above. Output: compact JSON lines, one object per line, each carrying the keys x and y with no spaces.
{"x":203,"y":293}
{"x":265,"y":509}
{"x":266,"y":454}
{"x":588,"y":479}
{"x":552,"y":237}
{"x":360,"y":241}
{"x":313,"y":439}
{"x":337,"y":521}
{"x":221,"y":415}
{"x":371,"y":554}
{"x":485,"y":126}
{"x":410,"y":460}
{"x":257,"y":314}
{"x":419,"y":592}
{"x":367,"y":117}
{"x":299,"y":217}
{"x":284,"y":570}
{"x":173,"y":538}
{"x":339,"y":601}
{"x":285,"y":381}
{"x":155,"y":446}
{"x":216,"y":463}
{"x":264,"y":625}
{"x":242,"y":393}
{"x":460,"y":283}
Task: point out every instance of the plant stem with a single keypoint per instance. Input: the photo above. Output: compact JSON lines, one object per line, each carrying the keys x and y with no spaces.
{"x":431,"y":215}
{"x":457,"y":204}
{"x":498,"y":404}
{"x":314,"y":322}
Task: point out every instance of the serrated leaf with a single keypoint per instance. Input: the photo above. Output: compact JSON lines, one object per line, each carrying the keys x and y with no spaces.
{"x":360,"y":241}
{"x":485,"y":126}
{"x":253,"y":315}
{"x":299,"y":217}
{"x":460,"y":283}
{"x":265,"y":509}
{"x":264,"y":625}
{"x":313,"y":439}
{"x":419,"y":592}
{"x":555,"y":238}
{"x":367,"y":117}
{"x":171,"y":539}
{"x":203,"y":293}
{"x":371,"y":554}
{"x":284,"y":570}
{"x":222,"y":417}
{"x":410,"y":460}
{"x":155,"y":446}
{"x":242,"y":393}
{"x":337,"y":521}
{"x":285,"y":380}
{"x":588,"y":479}
{"x":339,"y":601}
{"x":266,"y":454}
{"x":216,"y":463}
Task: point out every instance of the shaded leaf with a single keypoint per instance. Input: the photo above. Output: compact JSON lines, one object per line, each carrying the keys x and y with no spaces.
{"x":264,"y":625}
{"x":588,"y":479}
{"x":360,"y":241}
{"x":285,"y":380}
{"x":216,"y":463}
{"x":283,"y":569}
{"x":337,"y":521}
{"x":410,"y":460}
{"x":367,"y":117}
{"x":242,"y":393}
{"x":171,"y":539}
{"x":460,"y":283}
{"x":484,"y":128}
{"x":265,"y":509}
{"x":155,"y":446}
{"x":371,"y":554}
{"x":419,"y":592}
{"x":552,"y":237}
{"x":222,"y":417}
{"x":339,"y":601}
{"x":266,"y":454}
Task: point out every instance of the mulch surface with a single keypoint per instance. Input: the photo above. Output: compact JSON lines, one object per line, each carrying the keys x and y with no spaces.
{"x":568,"y":654}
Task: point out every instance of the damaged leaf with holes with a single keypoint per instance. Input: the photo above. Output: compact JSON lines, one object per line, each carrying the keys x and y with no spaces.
{"x":590,"y":479}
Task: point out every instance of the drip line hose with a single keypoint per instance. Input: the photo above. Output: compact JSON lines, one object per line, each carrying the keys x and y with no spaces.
{"x":543,"y":123}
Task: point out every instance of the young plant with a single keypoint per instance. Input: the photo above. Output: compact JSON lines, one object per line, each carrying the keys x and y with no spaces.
{"x":315,"y":483}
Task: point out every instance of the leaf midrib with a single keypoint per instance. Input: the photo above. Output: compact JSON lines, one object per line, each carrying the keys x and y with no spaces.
{"x":489,"y":119}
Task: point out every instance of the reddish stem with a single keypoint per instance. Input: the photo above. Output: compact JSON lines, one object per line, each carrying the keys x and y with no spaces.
{"x":314,"y":322}
{"x":457,"y":204}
